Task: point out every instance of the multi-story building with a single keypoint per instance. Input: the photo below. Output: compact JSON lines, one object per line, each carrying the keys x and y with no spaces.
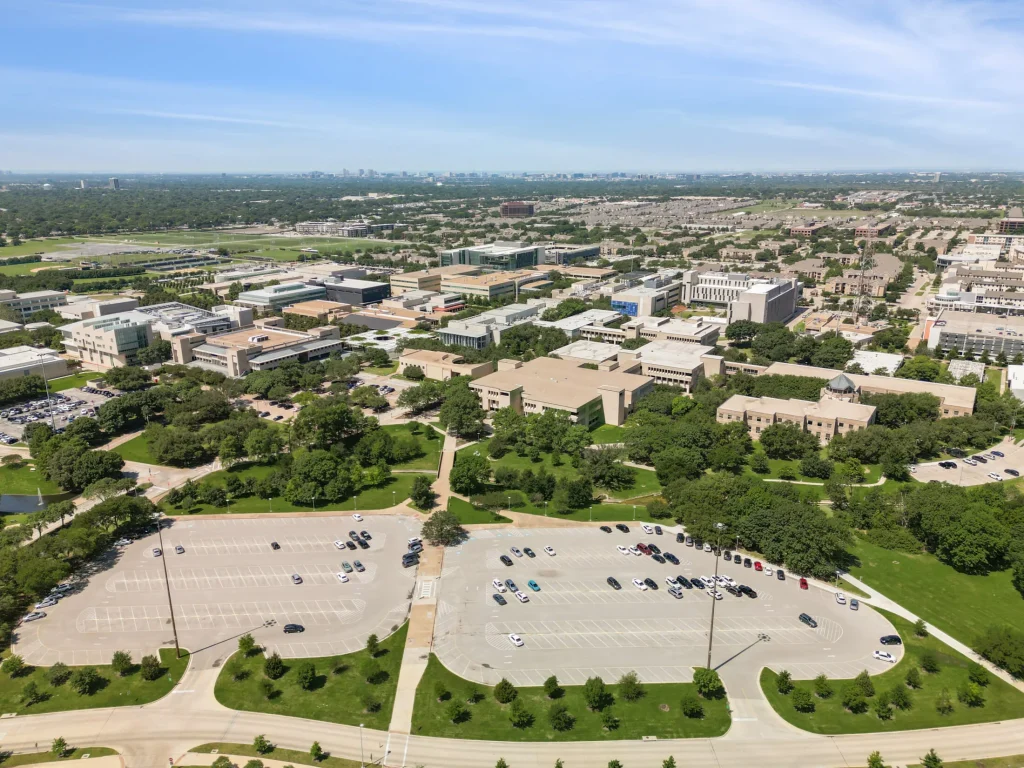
{"x":853,"y":282}
{"x":876,"y":230}
{"x":108,"y":342}
{"x":760,"y":299}
{"x":807,"y":230}
{"x":486,"y":328}
{"x":341,"y":228}
{"x":442,"y":365}
{"x":1012,"y":224}
{"x":653,"y":293}
{"x":589,"y":397}
{"x":24,"y":304}
{"x":515,"y":209}
{"x":500,"y":255}
{"x":22,"y":360}
{"x":322,"y":311}
{"x":427,"y":279}
{"x":824,"y":419}
{"x":275,"y":297}
{"x":83,"y":310}
{"x":425,"y":301}
{"x":667,"y":362}
{"x":559,"y":254}
{"x":699,"y":330}
{"x":976,"y":334}
{"x":261,"y":347}
{"x":490,"y":285}
{"x":1005,"y":241}
{"x":573,"y":325}
{"x":357,"y":292}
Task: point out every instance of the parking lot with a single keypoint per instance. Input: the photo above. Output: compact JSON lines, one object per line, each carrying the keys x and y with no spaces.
{"x":228,"y":581}
{"x":578,"y":626}
{"x":67,"y":406}
{"x":965,"y":474}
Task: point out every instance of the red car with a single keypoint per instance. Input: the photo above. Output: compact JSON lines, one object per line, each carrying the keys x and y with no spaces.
{"x":757,"y":565}
{"x":644,"y":548}
{"x":803,"y":583}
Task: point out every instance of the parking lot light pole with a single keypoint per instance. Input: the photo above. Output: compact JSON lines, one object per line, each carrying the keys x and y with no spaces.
{"x":270,"y":501}
{"x":167,"y":582}
{"x":634,"y":513}
{"x":714,"y":598}
{"x":46,"y":387}
{"x":362,"y":764}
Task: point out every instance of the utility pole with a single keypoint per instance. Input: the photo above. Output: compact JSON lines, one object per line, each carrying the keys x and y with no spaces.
{"x":714,"y":588}
{"x":167,"y":582}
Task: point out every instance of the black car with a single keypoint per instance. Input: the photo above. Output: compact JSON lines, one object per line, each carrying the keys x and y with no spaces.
{"x":274,"y":545}
{"x":353,"y":535}
{"x":499,"y":599}
{"x":408,"y":562}
{"x":672,"y":558}
{"x":732,"y":590}
{"x":727,"y":554}
{"x":351,"y":545}
{"x":747,"y":590}
{"x":659,"y":559}
{"x":657,"y":528}
{"x":366,"y":535}
{"x":747,"y":563}
{"x":362,"y":544}
{"x":808,"y":621}
{"x":511,"y":585}
{"x":529,"y":552}
{"x":684,"y":582}
{"x":655,"y":549}
{"x":651,"y":583}
{"x":680,"y":538}
{"x":1012,"y":472}
{"x":737,"y":559}
{"x":960,"y":453}
{"x":614,"y":583}
{"x":980,"y":459}
{"x":506,"y":560}
{"x":290,"y":629}
{"x":621,"y":527}
{"x":780,"y":575}
{"x":1000,"y":454}
{"x":606,"y":529}
{"x":698,"y":543}
{"x":890,"y":640}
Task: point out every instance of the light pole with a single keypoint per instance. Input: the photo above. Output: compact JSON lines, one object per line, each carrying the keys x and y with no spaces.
{"x":270,"y":501}
{"x":167,"y":582}
{"x":361,"y":763}
{"x":393,"y":502}
{"x":634,"y":513}
{"x":314,"y":502}
{"x":591,"y":509}
{"x":714,"y":594}
{"x":46,"y":387}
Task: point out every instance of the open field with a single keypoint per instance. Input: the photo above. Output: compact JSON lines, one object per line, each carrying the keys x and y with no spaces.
{"x":872,"y":472}
{"x":487,"y":719}
{"x":136,"y":449}
{"x":72,"y":381}
{"x":338,"y":693}
{"x":25,"y":480}
{"x":1013,"y":761}
{"x":471,"y":515}
{"x":1002,"y":701}
{"x":607,"y":433}
{"x":957,"y":603}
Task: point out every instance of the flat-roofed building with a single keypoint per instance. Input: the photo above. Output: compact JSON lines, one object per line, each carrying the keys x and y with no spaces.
{"x":871,"y":362}
{"x":1005,"y":241}
{"x":500,"y":255}
{"x":589,"y":397}
{"x":322,"y":311}
{"x":358,"y":293}
{"x":579,"y":273}
{"x":173,"y":318}
{"x":1012,"y":224}
{"x":699,"y":330}
{"x":976,"y":333}
{"x":807,"y":230}
{"x":653,"y":294}
{"x":573,"y":325}
{"x":275,"y":297}
{"x":824,"y":419}
{"x":745,"y":297}
{"x":427,"y":279}
{"x":6,"y":326}
{"x":486,"y":328}
{"x":24,"y":304}
{"x":108,"y":342}
{"x":320,"y":271}
{"x":560,"y":254}
{"x":22,"y":360}
{"x":953,"y":400}
{"x":588,"y":352}
{"x":490,"y":285}
{"x":83,"y":310}
{"x":258,"y":348}
{"x":876,"y":230}
{"x":425,"y":301}
{"x":667,"y":362}
{"x":515,"y":209}
{"x":853,"y":283}
{"x":442,"y":365}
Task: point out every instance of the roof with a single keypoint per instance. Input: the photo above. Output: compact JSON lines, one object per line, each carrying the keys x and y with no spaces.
{"x":430,"y":356}
{"x":794,"y":408}
{"x":842,"y":383}
{"x":294,"y":349}
{"x":840,"y":409}
{"x":872,"y":361}
{"x":673,"y":354}
{"x":594,"y":351}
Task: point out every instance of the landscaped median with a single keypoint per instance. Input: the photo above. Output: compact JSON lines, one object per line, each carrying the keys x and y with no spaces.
{"x":249,"y":752}
{"x":451,"y":707}
{"x":30,"y":690}
{"x":71,"y":753}
{"x":933,"y":686}
{"x":350,"y":689}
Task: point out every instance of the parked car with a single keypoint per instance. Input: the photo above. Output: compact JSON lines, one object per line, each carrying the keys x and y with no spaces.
{"x":499,"y":599}
{"x":806,"y":619}
{"x":550,"y":551}
{"x":529,"y":552}
{"x":157,"y":552}
{"x":34,"y":616}
{"x":638,"y":583}
{"x":890,"y":640}
{"x":758,"y":566}
{"x":747,"y":590}
{"x":522,"y":597}
{"x":884,"y":656}
{"x":854,"y":604}
{"x":516,"y":551}
{"x":179,"y":550}
{"x":606,"y":529}
{"x":506,"y":560}
{"x":511,"y":585}
{"x":647,"y":529}
{"x":498,"y":584}
{"x":342,"y":577}
{"x":358,"y":566}
{"x":651,"y":583}
{"x":296,"y":579}
{"x":622,"y":527}
{"x":614,"y":583}
{"x":533,"y":585}
{"x":803,"y":582}
{"x":517,"y":641}
{"x":780,"y":575}
{"x":840,"y":598}
{"x":274,"y":545}
{"x":291,"y":629}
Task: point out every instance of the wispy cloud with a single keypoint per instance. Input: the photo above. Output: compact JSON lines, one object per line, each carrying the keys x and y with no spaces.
{"x":208,"y":118}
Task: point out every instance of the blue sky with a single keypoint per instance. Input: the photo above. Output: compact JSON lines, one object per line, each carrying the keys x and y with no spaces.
{"x":547,"y":85}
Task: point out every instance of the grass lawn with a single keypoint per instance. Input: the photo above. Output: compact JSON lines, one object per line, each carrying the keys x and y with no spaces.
{"x":471,"y":515}
{"x":136,"y":449}
{"x":34,"y":758}
{"x":431,"y":448}
{"x":959,"y":604}
{"x":75,"y":380}
{"x":293,"y":756}
{"x":395,"y":490}
{"x":1013,"y":761}
{"x":45,"y":245}
{"x":113,"y":691}
{"x":487,"y":719}
{"x":26,"y":480}
{"x":337,"y":695}
{"x":1002,"y":700}
{"x":871,"y":474}
{"x":386,"y":370}
{"x":607,"y":433}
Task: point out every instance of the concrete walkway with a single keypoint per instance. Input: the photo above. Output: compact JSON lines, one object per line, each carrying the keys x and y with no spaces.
{"x":441,"y":486}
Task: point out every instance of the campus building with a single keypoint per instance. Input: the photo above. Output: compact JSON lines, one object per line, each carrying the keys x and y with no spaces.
{"x":426,"y":279}
{"x":22,"y":360}
{"x":24,"y":304}
{"x":108,"y":342}
{"x":515,"y":209}
{"x":667,"y":362}
{"x":699,"y":330}
{"x":323,"y":312}
{"x":652,"y":294}
{"x":1012,"y":224}
{"x":358,"y":293}
{"x":875,"y":231}
{"x":824,"y":419}
{"x":486,"y":328}
{"x":976,"y":333}
{"x":275,"y":297}
{"x":84,"y":310}
{"x":807,"y":230}
{"x":489,"y":285}
{"x":500,"y":255}
{"x":442,"y":365}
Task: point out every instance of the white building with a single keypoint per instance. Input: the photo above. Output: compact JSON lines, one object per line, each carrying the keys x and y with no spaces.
{"x":16,"y":362}
{"x":26,"y":303}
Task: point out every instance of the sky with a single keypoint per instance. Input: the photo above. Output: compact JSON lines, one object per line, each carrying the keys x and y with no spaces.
{"x":511,"y":85}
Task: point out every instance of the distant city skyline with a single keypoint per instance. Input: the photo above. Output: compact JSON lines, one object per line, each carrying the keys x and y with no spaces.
{"x":564,"y":85}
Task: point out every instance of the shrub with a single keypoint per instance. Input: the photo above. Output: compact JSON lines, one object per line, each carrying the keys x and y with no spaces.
{"x":914,"y":677}
{"x":518,"y":715}
{"x":552,"y":689}
{"x":630,"y":687}
{"x":84,"y":681}
{"x":373,"y":673}
{"x":691,"y":706}
{"x":595,"y":693}
{"x":121,"y":662}
{"x":977,"y":674}
{"x":371,"y":703}
{"x":609,"y":720}
{"x":14,"y":665}
{"x":970,"y":694}
{"x":802,"y":700}
{"x":59,"y":674}
{"x":373,"y":646}
{"x":944,"y":704}
{"x":316,"y":752}
{"x":853,"y":699}
{"x":273,"y":667}
{"x":246,"y":644}
{"x":261,"y":745}
{"x":864,"y":684}
{"x":441,"y":691}
{"x":305,"y":675}
{"x":59,"y":747}
{"x":920,"y":628}
{"x":784,"y":682}
{"x":1004,"y":647}
{"x":900,"y":697}
{"x":822,"y":687}
{"x":149,"y":668}
{"x":504,"y":691}
{"x":929,"y":662}
{"x":455,"y":711}
{"x":267,"y":689}
{"x":708,"y":683}
{"x":31,"y":694}
{"x":560,"y":718}
{"x":883,"y":710}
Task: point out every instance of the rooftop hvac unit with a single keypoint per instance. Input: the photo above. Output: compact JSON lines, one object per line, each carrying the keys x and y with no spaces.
{"x":257,"y":339}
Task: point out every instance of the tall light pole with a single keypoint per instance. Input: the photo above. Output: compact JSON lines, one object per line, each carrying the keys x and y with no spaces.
{"x":46,"y":386}
{"x":714,"y":598}
{"x":167,"y":582}
{"x":361,"y":763}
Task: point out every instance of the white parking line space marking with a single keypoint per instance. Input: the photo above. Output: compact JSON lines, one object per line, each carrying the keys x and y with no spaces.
{"x":231,"y":577}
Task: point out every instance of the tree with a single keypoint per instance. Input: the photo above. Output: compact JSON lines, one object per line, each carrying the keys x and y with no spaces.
{"x":31,"y":694}
{"x":461,"y":413}
{"x":977,"y":674}
{"x":802,"y":700}
{"x":759,"y":463}
{"x":630,"y":687}
{"x":504,"y":691}
{"x":59,"y":674}
{"x":944,"y":704}
{"x":560,"y":718}
{"x":899,"y":697}
{"x":552,"y":689}
{"x":262,"y":444}
{"x":669,"y":762}
{"x":372,"y":672}
{"x":305,"y":675}
{"x":519,"y":715}
{"x":742,"y":330}
{"x":373,"y":645}
{"x":875,"y":761}
{"x":422,"y":494}
{"x":246,"y":644}
{"x":267,"y":689}
{"x":691,"y":706}
{"x":822,"y":687}
{"x":970,"y":694}
{"x":316,"y":752}
{"x":708,"y":683}
{"x":920,"y":628}
{"x":913,"y":678}
{"x":455,"y":711}
{"x":929,"y":662}
{"x":14,"y":665}
{"x":854,"y":700}
{"x":414,"y":372}
{"x":262,"y":745}
{"x":469,"y":474}
{"x":608,"y":720}
{"x":614,"y":764}
{"x":85,"y":681}
{"x":231,"y":450}
{"x":595,"y":693}
{"x":501,"y":763}
{"x":59,"y":747}
{"x":273,"y":667}
{"x":787,"y":441}
{"x":149,"y":668}
{"x":784,"y":682}
{"x":931,"y":760}
{"x":121,"y":662}
{"x":864,"y":684}
{"x":223,"y":762}
{"x":883,"y":706}
{"x":443,"y":528}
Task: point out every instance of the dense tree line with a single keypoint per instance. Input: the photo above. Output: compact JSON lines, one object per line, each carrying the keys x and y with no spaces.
{"x":20,"y":389}
{"x":774,"y":342}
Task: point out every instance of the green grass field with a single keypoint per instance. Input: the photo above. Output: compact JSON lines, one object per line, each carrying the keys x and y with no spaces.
{"x":35,"y":758}
{"x":114,"y":691}
{"x":74,"y":380}
{"x":1002,"y":700}
{"x":487,"y":719}
{"x":25,"y":480}
{"x":957,"y":603}
{"x":136,"y":449}
{"x":872,"y":472}
{"x":338,"y":691}
{"x":44,"y":245}
{"x":292,"y":756}
{"x":607,"y":433}
{"x":470,"y":515}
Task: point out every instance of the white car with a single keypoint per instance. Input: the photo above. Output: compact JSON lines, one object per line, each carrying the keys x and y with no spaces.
{"x":708,"y":581}
{"x":342,"y":577}
{"x":339,"y":544}
{"x":840,"y":598}
{"x":156,"y":552}
{"x":358,"y":518}
{"x":622,"y":550}
{"x":634,"y":551}
{"x":35,"y":615}
{"x":550,"y":551}
{"x":122,"y":542}
{"x":970,"y":462}
{"x":707,"y":547}
{"x":498,"y":584}
{"x":517,"y":551}
{"x":995,"y":476}
{"x":517,"y":641}
{"x":727,"y":580}
{"x":639,"y":585}
{"x":46,"y":603}
{"x":671,"y":581}
{"x":715,"y":594}
{"x":884,"y":656}
{"x":647,"y":529}
{"x":522,"y":597}
{"x":768,"y":570}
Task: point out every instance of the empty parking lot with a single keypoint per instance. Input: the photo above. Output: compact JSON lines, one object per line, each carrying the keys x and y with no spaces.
{"x":577,"y":625}
{"x":228,"y":581}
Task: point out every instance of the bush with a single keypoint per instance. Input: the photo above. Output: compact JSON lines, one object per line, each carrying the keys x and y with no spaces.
{"x":455,"y":711}
{"x":441,"y":691}
{"x":977,"y":674}
{"x":59,"y":674}
{"x":864,"y":684}
{"x":691,"y":706}
{"x":14,"y":665}
{"x":929,"y":662}
{"x":970,"y":694}
{"x":84,"y":681}
{"x":595,"y":693}
{"x":121,"y":662}
{"x":150,"y":668}
{"x":608,"y":720}
{"x":708,"y":683}
{"x":267,"y":689}
{"x":373,"y":673}
{"x":1004,"y":647}
{"x":944,"y":704}
{"x":31,"y":694}
{"x":371,"y":703}
{"x":305,"y":675}
{"x":518,"y":715}
{"x":560,"y":718}
{"x":920,"y":628}
{"x":630,"y":687}
{"x":882,"y":707}
{"x":822,"y":687}
{"x":784,"y":682}
{"x":802,"y":700}
{"x":853,"y":699}
{"x":900,"y":698}
{"x":261,"y":745}
{"x":552,"y":689}
{"x":246,"y":644}
{"x":504,"y":691}
{"x":273,"y":667}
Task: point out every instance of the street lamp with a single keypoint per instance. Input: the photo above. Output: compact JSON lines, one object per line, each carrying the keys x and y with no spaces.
{"x":270,"y":501}
{"x":634,"y":513}
{"x":393,"y":502}
{"x":167,"y":582}
{"x":714,"y":599}
{"x":46,"y":386}
{"x":361,"y":763}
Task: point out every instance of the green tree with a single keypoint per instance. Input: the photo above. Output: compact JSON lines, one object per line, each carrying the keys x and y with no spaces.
{"x":913,"y":678}
{"x":455,"y":711}
{"x":931,"y":760}
{"x":929,"y":661}
{"x":630,"y":687}
{"x":691,"y":706}
{"x":469,"y":474}
{"x":305,"y":675}
{"x":920,"y":628}
{"x":149,"y":668}
{"x":30,"y":694}
{"x":669,"y":762}
{"x":519,"y":715}
{"x":246,"y":644}
{"x":883,"y":706}
{"x":461,"y":413}
{"x":422,"y":493}
{"x":614,"y":764}
{"x":267,"y":689}
{"x":85,"y":681}
{"x":504,"y":691}
{"x":59,"y":674}
{"x":501,"y":763}
{"x":802,"y":700}
{"x":822,"y":687}
{"x":552,"y":689}
{"x":875,"y":761}
{"x":977,"y":674}
{"x":560,"y":718}
{"x":899,"y":697}
{"x":14,"y":665}
{"x":608,"y":720}
{"x":59,"y":747}
{"x":262,"y":745}
{"x":316,"y":752}
{"x":373,"y":645}
{"x":595,"y":693}
{"x":970,"y":694}
{"x":273,"y":667}
{"x":864,"y":684}
{"x":121,"y":662}
{"x":443,"y":528}
{"x":784,"y":682}
{"x":787,"y":441}
{"x":944,"y":703}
